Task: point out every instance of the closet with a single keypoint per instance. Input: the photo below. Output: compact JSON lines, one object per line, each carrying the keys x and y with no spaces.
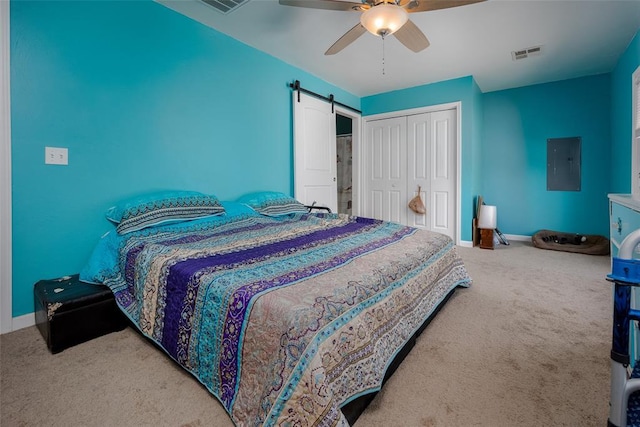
{"x":409,"y":152}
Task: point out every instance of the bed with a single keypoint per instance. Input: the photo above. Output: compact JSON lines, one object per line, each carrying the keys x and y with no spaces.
{"x":285,"y":316}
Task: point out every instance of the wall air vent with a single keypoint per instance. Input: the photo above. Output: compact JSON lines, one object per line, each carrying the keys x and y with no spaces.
{"x":525,"y":53}
{"x":225,"y":6}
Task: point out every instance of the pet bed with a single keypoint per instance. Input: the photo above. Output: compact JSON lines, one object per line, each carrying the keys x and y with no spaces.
{"x":571,"y":242}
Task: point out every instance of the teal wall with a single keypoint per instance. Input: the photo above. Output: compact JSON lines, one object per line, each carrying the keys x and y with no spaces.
{"x":621,"y":112}
{"x":517,"y":123}
{"x":144,"y":99}
{"x":463,"y":90}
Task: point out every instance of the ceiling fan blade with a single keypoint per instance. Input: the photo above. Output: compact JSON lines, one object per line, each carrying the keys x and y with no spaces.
{"x":323,"y":4}
{"x":411,"y":36}
{"x":348,"y":38}
{"x":425,"y":5}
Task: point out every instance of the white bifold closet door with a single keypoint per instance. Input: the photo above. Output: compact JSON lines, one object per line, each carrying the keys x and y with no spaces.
{"x":407,"y":152}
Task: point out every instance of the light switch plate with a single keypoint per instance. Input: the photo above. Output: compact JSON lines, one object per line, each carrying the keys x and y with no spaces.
{"x":56,"y":156}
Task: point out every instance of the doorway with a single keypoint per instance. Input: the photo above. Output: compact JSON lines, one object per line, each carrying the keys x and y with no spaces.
{"x":344,"y":156}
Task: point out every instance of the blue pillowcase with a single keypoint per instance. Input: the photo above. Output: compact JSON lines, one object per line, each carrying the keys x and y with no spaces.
{"x":103,"y":262}
{"x":237,"y":209}
{"x":272,"y":203}
{"x":161,"y":207}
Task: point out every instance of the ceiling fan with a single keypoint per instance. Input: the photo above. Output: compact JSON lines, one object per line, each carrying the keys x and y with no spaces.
{"x":382,"y":18}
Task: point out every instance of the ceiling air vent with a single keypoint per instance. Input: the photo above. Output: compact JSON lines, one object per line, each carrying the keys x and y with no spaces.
{"x":225,"y":6}
{"x":525,"y":53}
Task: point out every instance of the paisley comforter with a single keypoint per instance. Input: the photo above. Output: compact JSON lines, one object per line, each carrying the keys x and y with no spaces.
{"x":282,"y":319}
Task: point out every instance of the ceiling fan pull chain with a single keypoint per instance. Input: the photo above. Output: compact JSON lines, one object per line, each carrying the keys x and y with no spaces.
{"x":383,"y":73}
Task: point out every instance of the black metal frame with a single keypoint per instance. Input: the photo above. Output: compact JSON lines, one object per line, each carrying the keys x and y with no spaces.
{"x":296,"y":86}
{"x":356,"y":407}
{"x":322,"y":208}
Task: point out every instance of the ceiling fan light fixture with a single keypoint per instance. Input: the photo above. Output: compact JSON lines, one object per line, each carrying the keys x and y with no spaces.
{"x":384,"y":19}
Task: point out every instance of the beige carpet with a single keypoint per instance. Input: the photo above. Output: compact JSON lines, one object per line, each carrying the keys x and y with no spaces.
{"x":527,"y":345}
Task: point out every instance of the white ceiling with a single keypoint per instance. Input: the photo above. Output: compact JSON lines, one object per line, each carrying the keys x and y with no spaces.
{"x":578,"y":38}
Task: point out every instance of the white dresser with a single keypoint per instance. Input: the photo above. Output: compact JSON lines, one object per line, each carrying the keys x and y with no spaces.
{"x":624,"y":213}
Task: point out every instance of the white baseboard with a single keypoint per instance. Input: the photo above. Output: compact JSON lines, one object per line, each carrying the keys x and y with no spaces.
{"x":514,"y":237}
{"x":518,"y":237}
{"x":23,"y":321}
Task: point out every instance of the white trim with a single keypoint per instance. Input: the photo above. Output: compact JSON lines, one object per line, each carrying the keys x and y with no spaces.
{"x":6,"y":322}
{"x":430,"y":109}
{"x":626,"y":200}
{"x":458,"y":108}
{"x":24,"y":321}
{"x":635,"y":135}
{"x":518,"y":237}
{"x":509,"y":237}
{"x":414,"y":111}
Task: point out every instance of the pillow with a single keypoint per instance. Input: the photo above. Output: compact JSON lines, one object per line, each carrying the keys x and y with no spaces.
{"x":272,"y":203}
{"x":166,"y":206}
{"x":236,"y":209}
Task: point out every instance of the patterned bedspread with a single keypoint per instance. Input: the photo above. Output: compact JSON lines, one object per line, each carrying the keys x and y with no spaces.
{"x":283,"y":320}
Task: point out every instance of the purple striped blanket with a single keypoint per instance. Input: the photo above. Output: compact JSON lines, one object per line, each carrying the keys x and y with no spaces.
{"x":285,"y":319}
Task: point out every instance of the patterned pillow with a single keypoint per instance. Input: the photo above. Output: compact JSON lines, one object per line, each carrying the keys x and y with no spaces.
{"x":272,"y":203}
{"x":161,"y":207}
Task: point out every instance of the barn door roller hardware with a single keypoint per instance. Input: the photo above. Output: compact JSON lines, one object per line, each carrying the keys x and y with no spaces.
{"x":297,"y":87}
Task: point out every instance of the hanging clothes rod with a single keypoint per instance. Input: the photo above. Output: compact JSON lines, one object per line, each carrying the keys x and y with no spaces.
{"x":296,"y":86}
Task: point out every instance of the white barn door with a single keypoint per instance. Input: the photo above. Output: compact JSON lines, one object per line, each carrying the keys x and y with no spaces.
{"x":385,"y":172}
{"x":314,"y":151}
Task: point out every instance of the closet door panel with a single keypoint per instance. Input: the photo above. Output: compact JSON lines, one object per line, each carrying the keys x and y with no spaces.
{"x":443,"y":172}
{"x":418,"y":149}
{"x":385,"y":195}
{"x":417,"y":220}
{"x":418,"y":165}
{"x":394,"y":150}
{"x":395,"y":206}
{"x":376,"y":207}
{"x":440,"y":202}
{"x":441,"y":150}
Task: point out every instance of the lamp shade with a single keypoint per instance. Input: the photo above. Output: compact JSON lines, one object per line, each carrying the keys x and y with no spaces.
{"x":488,"y":217}
{"x":384,"y":19}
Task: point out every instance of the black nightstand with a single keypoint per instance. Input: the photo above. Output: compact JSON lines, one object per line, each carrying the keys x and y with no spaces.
{"x":69,"y":312}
